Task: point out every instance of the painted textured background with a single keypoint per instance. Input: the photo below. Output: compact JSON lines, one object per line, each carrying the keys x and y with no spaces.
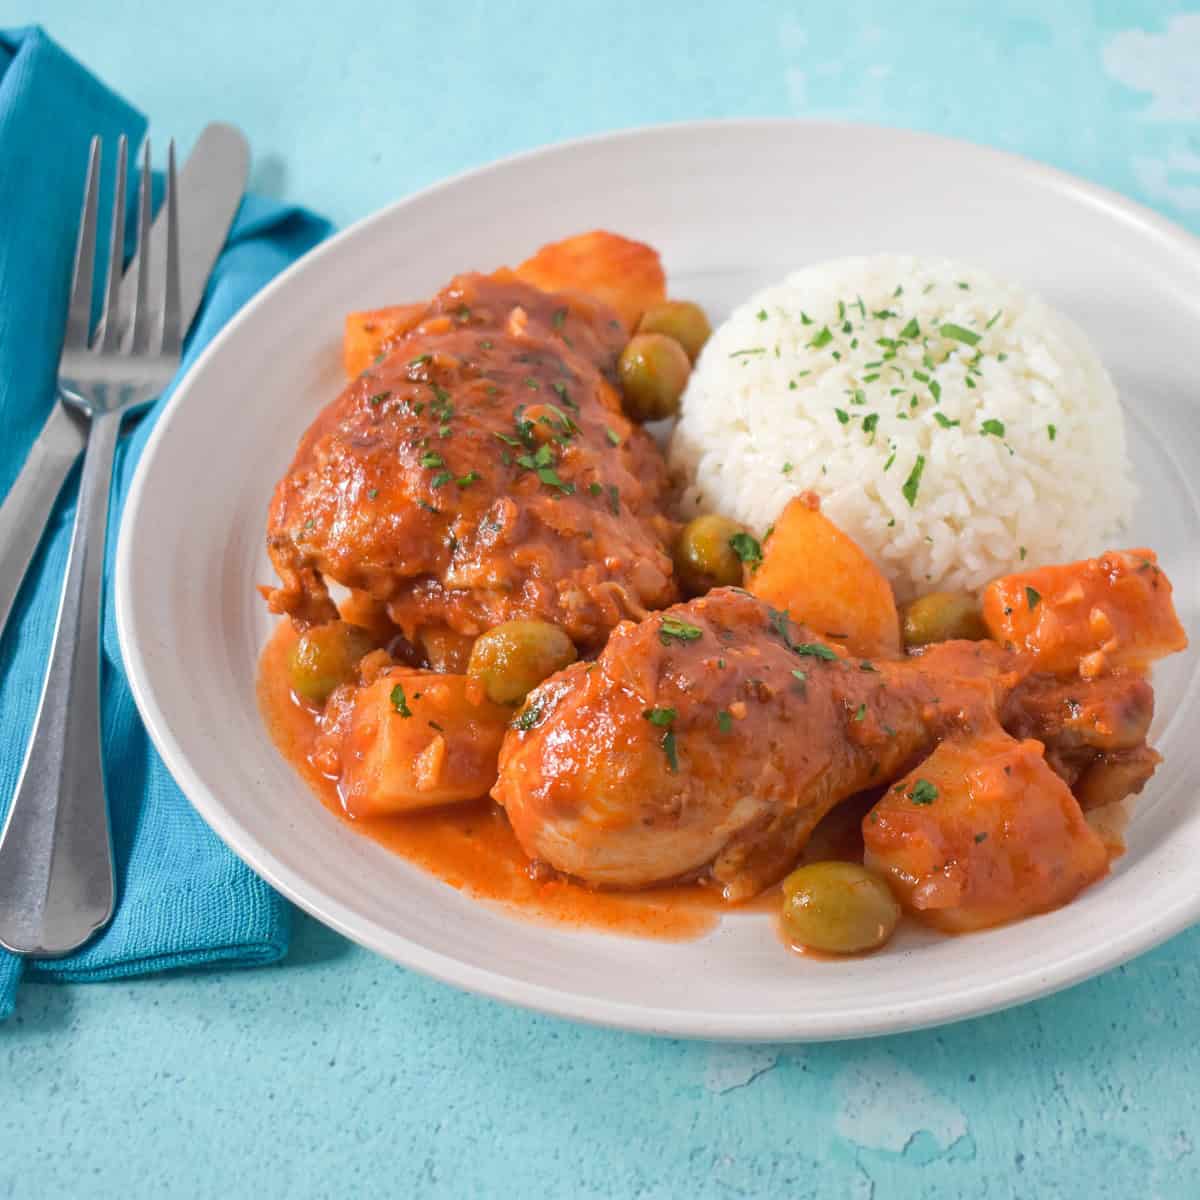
{"x":339,"y":1074}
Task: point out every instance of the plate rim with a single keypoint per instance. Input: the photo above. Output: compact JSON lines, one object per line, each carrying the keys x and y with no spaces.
{"x":716,"y":1025}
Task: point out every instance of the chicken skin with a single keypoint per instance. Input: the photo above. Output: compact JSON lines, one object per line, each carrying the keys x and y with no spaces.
{"x":481,"y":472}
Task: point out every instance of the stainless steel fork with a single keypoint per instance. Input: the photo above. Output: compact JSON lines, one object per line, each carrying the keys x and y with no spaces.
{"x":56,"y":872}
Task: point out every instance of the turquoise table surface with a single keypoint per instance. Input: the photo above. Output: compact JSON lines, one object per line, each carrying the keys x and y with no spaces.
{"x":340,"y":1074}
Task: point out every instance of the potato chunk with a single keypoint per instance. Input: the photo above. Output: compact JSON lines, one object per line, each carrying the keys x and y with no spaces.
{"x":624,"y":274}
{"x":1094,"y":616}
{"x":367,"y":333}
{"x":981,"y":833}
{"x":418,"y":739}
{"x":827,"y":582}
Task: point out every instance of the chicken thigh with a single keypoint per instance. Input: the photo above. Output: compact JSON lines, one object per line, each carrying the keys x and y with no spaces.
{"x":481,"y":472}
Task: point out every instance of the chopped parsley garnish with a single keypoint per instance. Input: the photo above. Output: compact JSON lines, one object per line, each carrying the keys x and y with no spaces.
{"x":549,"y":476}
{"x":935,"y":389}
{"x":1032,"y":597}
{"x":613,"y":436}
{"x":859,"y":713}
{"x":944,"y":421}
{"x":842,"y":415}
{"x":594,"y":489}
{"x":673,"y":628}
{"x":870,"y":421}
{"x":992,"y":426}
{"x":1052,"y":430}
{"x":815,"y":650}
{"x":441,"y":479}
{"x":373,"y":493}
{"x":923,"y":792}
{"x":400,"y":701}
{"x":995,"y":318}
{"x":980,"y":837}
{"x":469,"y":478}
{"x":761,"y":314}
{"x":432,"y":459}
{"x":746,"y":546}
{"x":527,"y":719}
{"x":377,"y":399}
{"x":724,"y":720}
{"x":911,"y":330}
{"x":787,"y":468}
{"x":958,"y":333}
{"x":614,"y":499}
{"x":801,"y":677}
{"x":821,"y":338}
{"x":668,"y":745}
{"x":660,"y":716}
{"x":912,"y":485}
{"x":664,"y":718}
{"x":531,"y":462}
{"x":564,"y":396}
{"x":749,"y":350}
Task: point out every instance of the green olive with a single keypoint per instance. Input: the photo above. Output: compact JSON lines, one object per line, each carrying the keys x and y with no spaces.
{"x":838,"y":908}
{"x":325,"y":657}
{"x":513,"y":658}
{"x":704,"y":554}
{"x":681,"y":320}
{"x":943,"y":617}
{"x":654,"y":370}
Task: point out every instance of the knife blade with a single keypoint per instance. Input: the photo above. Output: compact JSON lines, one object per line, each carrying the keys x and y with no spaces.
{"x":211,"y":184}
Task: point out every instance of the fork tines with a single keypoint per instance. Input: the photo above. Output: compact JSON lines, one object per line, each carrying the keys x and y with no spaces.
{"x":153,"y":327}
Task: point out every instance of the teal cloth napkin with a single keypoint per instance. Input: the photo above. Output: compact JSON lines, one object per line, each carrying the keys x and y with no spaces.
{"x":183,"y":900}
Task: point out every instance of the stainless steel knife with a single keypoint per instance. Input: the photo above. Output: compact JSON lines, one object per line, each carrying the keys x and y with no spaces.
{"x":211,"y":184}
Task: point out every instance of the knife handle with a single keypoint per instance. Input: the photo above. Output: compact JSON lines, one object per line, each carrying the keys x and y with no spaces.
{"x":28,"y":505}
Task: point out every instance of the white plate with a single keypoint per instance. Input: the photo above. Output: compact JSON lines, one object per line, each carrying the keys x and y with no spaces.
{"x":731,"y":206}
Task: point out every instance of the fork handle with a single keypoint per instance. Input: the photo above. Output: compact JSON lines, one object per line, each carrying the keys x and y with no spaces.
{"x":56,"y":867}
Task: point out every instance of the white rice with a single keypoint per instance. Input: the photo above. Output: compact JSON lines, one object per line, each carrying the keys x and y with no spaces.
{"x":773,"y":409}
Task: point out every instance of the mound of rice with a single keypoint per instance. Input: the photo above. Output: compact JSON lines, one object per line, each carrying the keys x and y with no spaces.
{"x":954,"y":424}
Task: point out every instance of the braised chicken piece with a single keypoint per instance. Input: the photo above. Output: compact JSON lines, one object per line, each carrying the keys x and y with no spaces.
{"x":711,"y":739}
{"x":483,"y":471}
{"x":1084,"y":725}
